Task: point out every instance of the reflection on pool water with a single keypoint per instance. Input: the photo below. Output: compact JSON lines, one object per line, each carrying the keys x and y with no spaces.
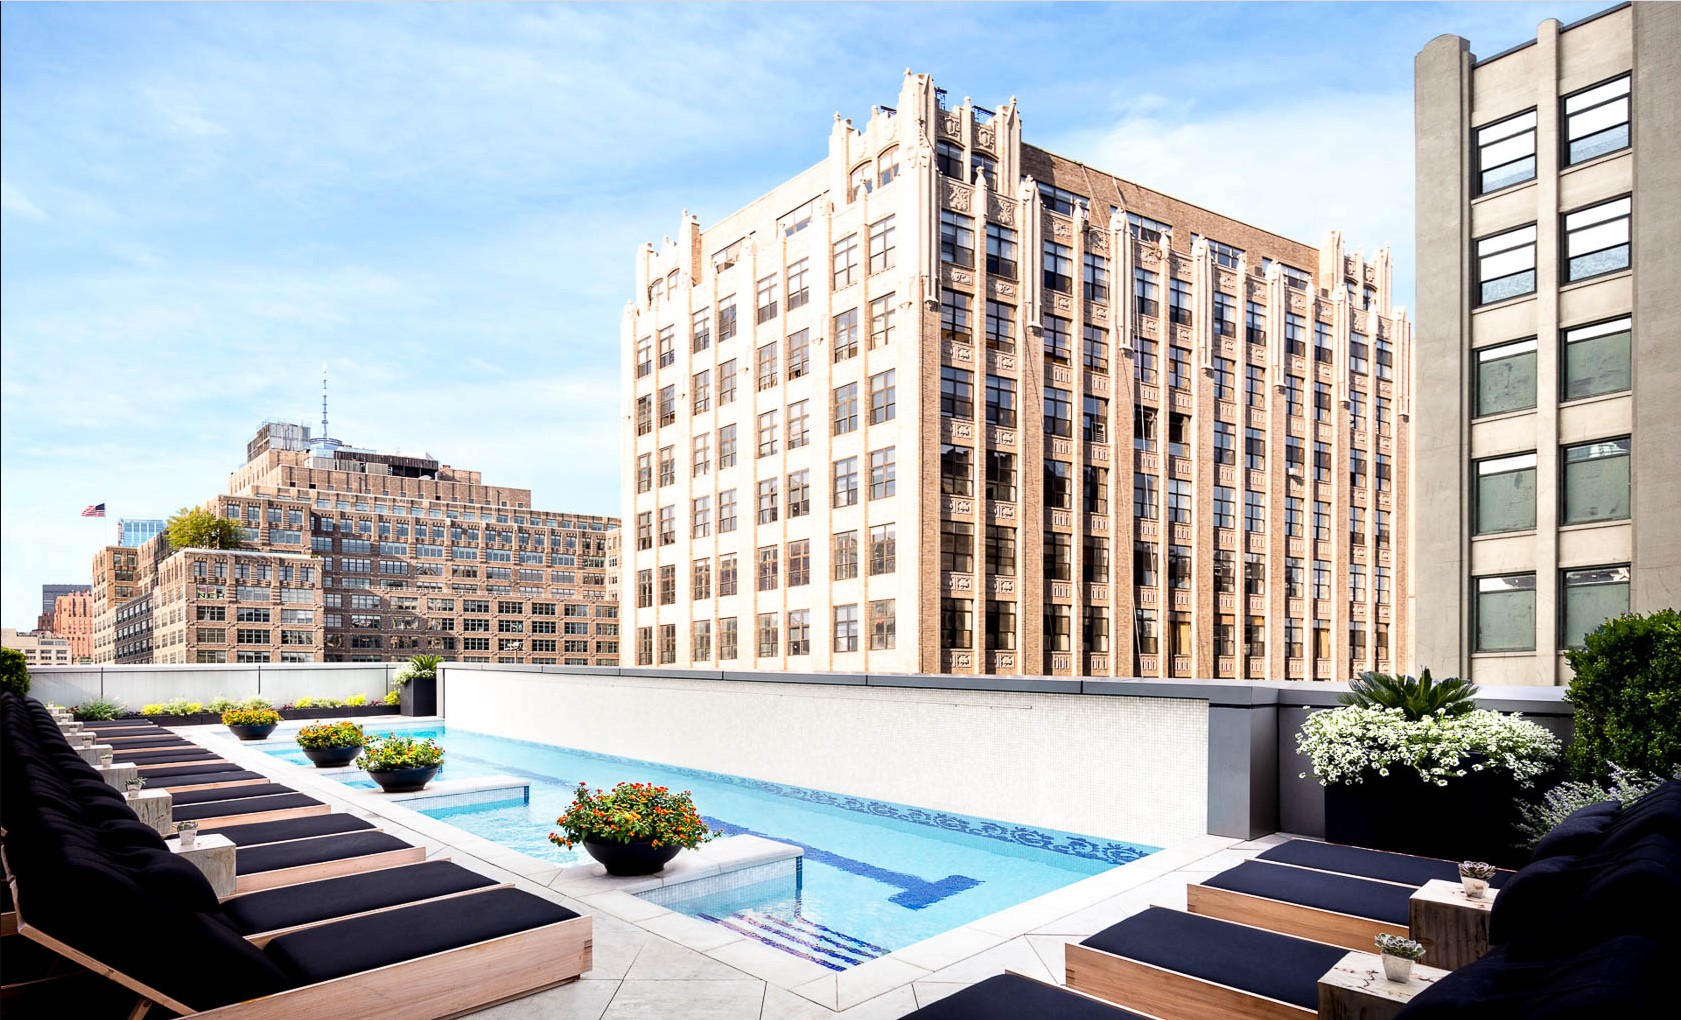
{"x":876,"y":876}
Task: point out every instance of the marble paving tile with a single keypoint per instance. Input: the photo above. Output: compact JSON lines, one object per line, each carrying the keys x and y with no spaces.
{"x":661,"y":960}
{"x":580,"y":1000}
{"x":701,"y":936}
{"x":868,"y":980}
{"x":623,"y":905}
{"x":782,"y":969}
{"x":889,"y":1005}
{"x":1052,"y":952}
{"x":741,"y":999}
{"x":933,"y":991}
{"x":947,"y":948}
{"x":1014,"y":955}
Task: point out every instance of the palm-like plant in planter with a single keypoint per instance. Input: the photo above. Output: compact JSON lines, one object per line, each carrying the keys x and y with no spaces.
{"x":417,"y":685}
{"x":1418,"y":696}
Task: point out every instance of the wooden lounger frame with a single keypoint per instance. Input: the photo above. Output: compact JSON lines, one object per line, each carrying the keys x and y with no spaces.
{"x":327,"y":869}
{"x":438,"y":987}
{"x":1168,"y":994}
{"x":229,"y":821}
{"x":149,"y":766}
{"x":1350,"y":931}
{"x":163,"y":784}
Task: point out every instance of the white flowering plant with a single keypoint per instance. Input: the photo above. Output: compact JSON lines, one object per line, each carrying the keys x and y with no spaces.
{"x":1347,"y":744}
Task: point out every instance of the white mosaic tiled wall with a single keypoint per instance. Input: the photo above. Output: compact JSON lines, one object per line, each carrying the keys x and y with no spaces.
{"x":1129,"y":768}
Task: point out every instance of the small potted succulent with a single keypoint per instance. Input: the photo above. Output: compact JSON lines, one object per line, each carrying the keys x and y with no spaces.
{"x":1399,"y":955}
{"x":400,"y":764}
{"x":1475,"y":876}
{"x":107,"y":757}
{"x":188,"y":831}
{"x":634,"y":830}
{"x":251,"y":723}
{"x":132,"y":788}
{"x":330,"y":745}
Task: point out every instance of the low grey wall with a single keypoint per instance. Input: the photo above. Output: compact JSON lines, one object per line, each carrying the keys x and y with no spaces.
{"x":135,"y":686}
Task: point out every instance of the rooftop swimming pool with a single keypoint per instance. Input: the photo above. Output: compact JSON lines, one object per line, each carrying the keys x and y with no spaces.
{"x":875,"y":876}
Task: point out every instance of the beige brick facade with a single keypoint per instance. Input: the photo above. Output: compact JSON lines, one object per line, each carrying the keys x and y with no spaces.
{"x":898,"y":304}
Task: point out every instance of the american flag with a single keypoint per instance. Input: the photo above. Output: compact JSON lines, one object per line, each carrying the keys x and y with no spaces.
{"x":94,"y":510}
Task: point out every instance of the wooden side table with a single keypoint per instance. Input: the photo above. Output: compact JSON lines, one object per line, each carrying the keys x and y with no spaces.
{"x":93,"y":753}
{"x":1355,"y":989}
{"x":1452,"y":926}
{"x":212,"y":854}
{"x":118,"y":774}
{"x":155,"y":808}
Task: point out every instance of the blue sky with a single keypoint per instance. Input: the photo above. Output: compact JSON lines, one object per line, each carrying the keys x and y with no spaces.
{"x":204,"y":204}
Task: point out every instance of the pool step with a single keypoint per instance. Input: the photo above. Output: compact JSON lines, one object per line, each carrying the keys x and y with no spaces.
{"x":448,"y":793}
{"x":801,"y":937}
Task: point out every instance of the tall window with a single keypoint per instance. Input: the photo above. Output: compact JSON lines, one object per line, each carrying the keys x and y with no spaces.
{"x":948,"y":160}
{"x":799,"y":493}
{"x":957,"y":393}
{"x":883,"y":624}
{"x":1254,"y":322}
{"x":799,"y":562}
{"x":846,"y":628}
{"x":882,"y":316}
{"x":1591,"y":597}
{"x":1506,"y":265}
{"x":1095,"y":489}
{"x":846,"y":409}
{"x":957,"y":547}
{"x":767,"y":299}
{"x":1225,"y":506}
{"x":1179,"y":301}
{"x":1596,"y":481}
{"x":1001,"y":401}
{"x":1094,"y":419}
{"x":1254,"y":511}
{"x":1295,"y":335}
{"x":799,"y":424}
{"x":1254,"y":449}
{"x":1225,"y":315}
{"x":1058,"y":559}
{"x":1058,"y":412}
{"x":726,"y":382}
{"x":1144,"y":436}
{"x":1000,"y":251}
{"x":1000,"y":476}
{"x":668,"y":405}
{"x":845,"y":555}
{"x":884,"y":549}
{"x":844,"y":334}
{"x":1505,"y":494}
{"x":767,"y":501}
{"x":1145,"y":505}
{"x":766,"y":366}
{"x":1596,"y":239}
{"x":1506,"y":153}
{"x":883,"y":396}
{"x":1144,"y":572}
{"x":1059,"y":486}
{"x":1146,"y":294}
{"x":769,"y":636}
{"x":1144,"y":360}
{"x":1596,"y":360}
{"x":883,"y":472}
{"x":1058,"y":267}
{"x":882,"y":245}
{"x":1096,"y":273}
{"x":957,"y":471}
{"x":957,"y":239}
{"x":767,"y":433}
{"x":1596,"y":120}
{"x":954,"y":317}
{"x":1094,"y":349}
{"x":1001,"y":327}
{"x":957,"y":623}
{"x":1001,"y":550}
{"x":799,"y":354}
{"x":799,"y":283}
{"x":726,"y":318}
{"x":846,"y":482}
{"x":700,"y":330}
{"x":1058,"y":343}
{"x":1146,"y":229}
{"x":767,"y":561}
{"x":1000,"y":626}
{"x":1505,"y":613}
{"x":1225,"y":443}
{"x":846,"y":261}
{"x":726,"y":511}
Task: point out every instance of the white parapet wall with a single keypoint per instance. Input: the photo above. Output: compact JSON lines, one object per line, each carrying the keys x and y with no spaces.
{"x":281,"y":684}
{"x":1130,"y":768}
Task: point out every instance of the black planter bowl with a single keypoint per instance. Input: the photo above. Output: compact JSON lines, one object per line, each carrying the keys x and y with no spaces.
{"x":252,"y":732}
{"x":404,"y":780}
{"x":629,"y":859}
{"x":332,"y":757}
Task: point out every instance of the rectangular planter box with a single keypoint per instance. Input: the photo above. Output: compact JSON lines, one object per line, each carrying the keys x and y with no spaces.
{"x":420,"y":696}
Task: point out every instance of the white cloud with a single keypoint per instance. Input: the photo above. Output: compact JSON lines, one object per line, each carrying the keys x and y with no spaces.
{"x":1298,"y":169}
{"x":17,"y":203}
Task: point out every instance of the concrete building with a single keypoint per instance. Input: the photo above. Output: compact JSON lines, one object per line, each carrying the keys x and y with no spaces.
{"x":38,"y":649}
{"x":1549,"y":233}
{"x":134,"y":532}
{"x":73,"y":621}
{"x":116,"y":571}
{"x":51,"y":592}
{"x":947,"y":402}
{"x":356,"y":556}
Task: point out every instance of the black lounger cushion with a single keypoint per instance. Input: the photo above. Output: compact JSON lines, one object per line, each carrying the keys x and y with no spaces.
{"x":1580,"y":833}
{"x":1621,"y":977}
{"x":1012,"y":997}
{"x":161,"y":737}
{"x":273,"y":909}
{"x":248,"y":806}
{"x":165,"y":757}
{"x":1357,"y":860}
{"x":1259,"y":962}
{"x":1579,"y":901}
{"x":201,"y":778}
{"x":1324,"y":890}
{"x":379,"y":940}
{"x":229,"y":793}
{"x":308,"y":827}
{"x":296,"y":853}
{"x":192,"y":770}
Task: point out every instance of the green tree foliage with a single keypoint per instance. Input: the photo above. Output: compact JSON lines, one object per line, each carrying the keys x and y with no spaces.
{"x":14,"y":672}
{"x":1627,"y":693}
{"x":198,"y":528}
{"x":1416,"y":696}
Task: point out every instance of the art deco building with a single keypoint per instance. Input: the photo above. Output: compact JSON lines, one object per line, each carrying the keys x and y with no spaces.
{"x":1549,"y":234}
{"x":947,"y":402}
{"x":73,"y":621}
{"x":357,"y":556}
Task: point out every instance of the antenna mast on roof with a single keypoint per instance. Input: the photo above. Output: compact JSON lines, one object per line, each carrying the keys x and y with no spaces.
{"x":324,"y":432}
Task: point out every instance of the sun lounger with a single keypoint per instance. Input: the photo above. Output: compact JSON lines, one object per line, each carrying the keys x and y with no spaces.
{"x":250,"y":809}
{"x":308,"y":860}
{"x":1320,"y":905}
{"x":282,"y":830}
{"x":1359,"y":861}
{"x":227,"y":793}
{"x":1013,"y":997}
{"x":206,"y":780}
{"x":261,"y":915}
{"x":1181,"y":966}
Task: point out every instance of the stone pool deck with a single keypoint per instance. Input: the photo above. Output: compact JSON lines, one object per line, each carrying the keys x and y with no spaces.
{"x":651,"y":962}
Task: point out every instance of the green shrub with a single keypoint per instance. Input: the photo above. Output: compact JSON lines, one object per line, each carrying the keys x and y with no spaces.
{"x":356,"y":701}
{"x":1416,"y":696}
{"x":151,"y":710}
{"x":1627,"y":694}
{"x":14,"y":672}
{"x":254,"y":703}
{"x":96,"y":709}
{"x":219,"y":704}
{"x":393,"y":697}
{"x":304,"y":703}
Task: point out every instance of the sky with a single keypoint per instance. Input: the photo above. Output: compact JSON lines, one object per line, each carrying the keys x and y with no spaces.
{"x":203,"y":205}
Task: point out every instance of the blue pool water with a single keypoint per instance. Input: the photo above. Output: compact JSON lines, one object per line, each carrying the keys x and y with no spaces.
{"x":875,"y":877}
